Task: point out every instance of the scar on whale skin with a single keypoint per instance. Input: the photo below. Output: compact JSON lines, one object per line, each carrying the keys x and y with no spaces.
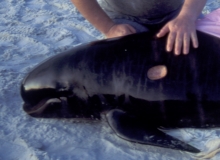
{"x":140,"y":89}
{"x":157,"y":72}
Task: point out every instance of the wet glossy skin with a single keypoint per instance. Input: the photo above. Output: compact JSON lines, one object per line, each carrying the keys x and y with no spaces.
{"x":107,"y":74}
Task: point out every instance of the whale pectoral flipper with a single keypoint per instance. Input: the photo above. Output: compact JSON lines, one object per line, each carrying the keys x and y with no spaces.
{"x":132,"y":129}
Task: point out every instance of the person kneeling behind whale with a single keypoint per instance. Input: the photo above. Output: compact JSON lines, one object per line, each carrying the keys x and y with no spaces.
{"x":133,"y":78}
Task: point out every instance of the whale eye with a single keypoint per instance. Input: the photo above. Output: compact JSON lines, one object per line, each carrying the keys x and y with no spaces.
{"x":157,"y":72}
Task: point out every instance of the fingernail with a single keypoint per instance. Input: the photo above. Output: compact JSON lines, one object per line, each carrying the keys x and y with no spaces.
{"x":177,"y":53}
{"x":185,"y":53}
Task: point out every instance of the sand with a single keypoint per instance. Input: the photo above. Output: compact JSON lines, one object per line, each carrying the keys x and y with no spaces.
{"x":31,"y":31}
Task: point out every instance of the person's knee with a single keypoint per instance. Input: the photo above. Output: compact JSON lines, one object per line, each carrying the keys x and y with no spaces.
{"x":138,"y":27}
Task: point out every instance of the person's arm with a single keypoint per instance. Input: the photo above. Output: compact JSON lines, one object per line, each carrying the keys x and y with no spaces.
{"x":91,"y":10}
{"x":182,"y":29}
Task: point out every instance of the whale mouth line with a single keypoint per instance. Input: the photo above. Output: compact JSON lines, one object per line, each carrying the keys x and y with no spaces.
{"x":42,"y":105}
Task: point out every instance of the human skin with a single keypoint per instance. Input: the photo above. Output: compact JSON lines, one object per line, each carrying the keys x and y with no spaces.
{"x":181,"y":30}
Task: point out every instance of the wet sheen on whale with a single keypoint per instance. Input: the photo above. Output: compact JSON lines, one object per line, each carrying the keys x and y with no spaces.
{"x":117,"y":76}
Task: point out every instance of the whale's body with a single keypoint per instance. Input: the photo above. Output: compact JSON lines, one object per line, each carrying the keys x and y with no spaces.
{"x":112,"y":74}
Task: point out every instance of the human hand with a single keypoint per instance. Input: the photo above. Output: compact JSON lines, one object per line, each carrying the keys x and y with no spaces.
{"x":118,"y":30}
{"x":181,"y":30}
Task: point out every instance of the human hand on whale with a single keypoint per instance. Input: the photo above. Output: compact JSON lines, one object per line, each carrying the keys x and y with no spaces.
{"x":180,"y":29}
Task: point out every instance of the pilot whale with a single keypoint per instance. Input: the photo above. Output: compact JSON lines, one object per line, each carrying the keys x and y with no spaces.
{"x":113,"y":77}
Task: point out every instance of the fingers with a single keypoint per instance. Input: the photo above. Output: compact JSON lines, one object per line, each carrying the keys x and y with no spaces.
{"x":194,"y":40}
{"x":181,"y":31}
{"x":163,"y":31}
{"x":170,"y":41}
{"x":180,"y":43}
{"x":186,"y":43}
{"x":174,"y":40}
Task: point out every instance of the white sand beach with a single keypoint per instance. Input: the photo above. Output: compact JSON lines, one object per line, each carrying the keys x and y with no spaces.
{"x":30,"y":32}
